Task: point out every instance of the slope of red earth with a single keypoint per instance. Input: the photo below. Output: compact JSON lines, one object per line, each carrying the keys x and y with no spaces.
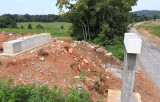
{"x":149,"y":36}
{"x":72,"y":64}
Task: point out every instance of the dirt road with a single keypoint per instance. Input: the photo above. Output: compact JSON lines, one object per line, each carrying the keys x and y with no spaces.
{"x":149,"y":59}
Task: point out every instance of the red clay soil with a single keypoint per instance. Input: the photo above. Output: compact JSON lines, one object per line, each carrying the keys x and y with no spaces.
{"x":72,"y":64}
{"x":147,"y":34}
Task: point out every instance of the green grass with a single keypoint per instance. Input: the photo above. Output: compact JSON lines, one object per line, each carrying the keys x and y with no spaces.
{"x":153,"y":28}
{"x":53,"y":28}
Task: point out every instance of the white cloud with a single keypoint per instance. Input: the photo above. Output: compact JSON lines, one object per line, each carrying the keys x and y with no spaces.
{"x":26,"y":10}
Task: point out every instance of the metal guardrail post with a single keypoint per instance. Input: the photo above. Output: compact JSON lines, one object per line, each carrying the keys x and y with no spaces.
{"x":133,"y":45}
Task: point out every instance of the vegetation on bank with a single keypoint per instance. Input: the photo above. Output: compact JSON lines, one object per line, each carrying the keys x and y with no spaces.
{"x":40,"y":93}
{"x":152,"y":27}
{"x":54,"y":28}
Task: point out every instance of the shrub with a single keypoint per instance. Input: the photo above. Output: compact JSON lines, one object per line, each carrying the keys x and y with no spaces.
{"x":39,"y":93}
{"x":62,"y":27}
{"x":81,"y":95}
{"x":22,"y":27}
{"x":29,"y":26}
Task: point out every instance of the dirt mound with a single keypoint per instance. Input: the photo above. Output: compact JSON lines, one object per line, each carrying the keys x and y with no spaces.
{"x":72,"y":64}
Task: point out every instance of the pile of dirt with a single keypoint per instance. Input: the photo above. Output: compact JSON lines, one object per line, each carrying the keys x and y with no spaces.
{"x":73,"y":64}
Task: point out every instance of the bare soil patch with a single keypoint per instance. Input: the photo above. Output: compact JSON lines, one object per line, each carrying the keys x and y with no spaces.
{"x":152,"y":38}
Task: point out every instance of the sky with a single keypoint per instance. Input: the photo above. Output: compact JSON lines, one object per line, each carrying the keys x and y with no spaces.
{"x":28,"y":7}
{"x":147,"y":5}
{"x":34,"y":7}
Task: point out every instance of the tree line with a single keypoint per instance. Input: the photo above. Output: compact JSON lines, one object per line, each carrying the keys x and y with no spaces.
{"x":134,"y":17}
{"x":9,"y":21}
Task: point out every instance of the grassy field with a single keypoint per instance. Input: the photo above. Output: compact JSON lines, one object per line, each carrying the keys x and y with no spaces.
{"x":53,"y":28}
{"x":152,"y":26}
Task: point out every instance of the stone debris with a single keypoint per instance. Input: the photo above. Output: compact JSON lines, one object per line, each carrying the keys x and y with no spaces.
{"x":86,"y":61}
{"x":77,"y":77}
{"x":109,"y":54}
{"x":115,"y":71}
{"x":42,"y":59}
{"x":70,"y":50}
{"x":32,"y":51}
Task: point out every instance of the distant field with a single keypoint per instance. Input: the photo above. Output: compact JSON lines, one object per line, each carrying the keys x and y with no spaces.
{"x":152,"y":26}
{"x":53,"y":28}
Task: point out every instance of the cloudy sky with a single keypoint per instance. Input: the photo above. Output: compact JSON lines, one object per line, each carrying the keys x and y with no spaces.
{"x":49,"y":6}
{"x":147,"y":5}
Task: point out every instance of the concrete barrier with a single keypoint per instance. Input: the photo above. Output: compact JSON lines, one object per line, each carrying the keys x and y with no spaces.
{"x":21,"y":44}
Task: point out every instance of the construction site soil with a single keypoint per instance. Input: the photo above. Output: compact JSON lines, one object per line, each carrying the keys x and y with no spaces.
{"x":72,"y":64}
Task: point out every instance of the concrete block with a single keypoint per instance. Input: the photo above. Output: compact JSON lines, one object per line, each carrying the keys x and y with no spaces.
{"x":21,"y":44}
{"x":133,"y":43}
{"x":12,"y":47}
{"x":114,"y":96}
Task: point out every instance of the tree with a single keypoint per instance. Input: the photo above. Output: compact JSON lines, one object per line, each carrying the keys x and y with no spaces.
{"x":155,"y":16}
{"x":29,"y":26}
{"x":39,"y":27}
{"x":7,"y":22}
{"x":62,"y":27}
{"x":90,"y":18}
{"x":101,"y":21}
{"x":22,"y":27}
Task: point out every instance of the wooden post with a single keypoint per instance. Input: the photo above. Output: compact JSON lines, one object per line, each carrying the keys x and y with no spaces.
{"x":132,"y":48}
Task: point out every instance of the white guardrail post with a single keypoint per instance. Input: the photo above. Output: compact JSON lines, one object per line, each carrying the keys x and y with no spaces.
{"x":133,"y":45}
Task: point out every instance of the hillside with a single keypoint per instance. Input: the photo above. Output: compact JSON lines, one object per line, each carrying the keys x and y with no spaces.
{"x":147,"y":12}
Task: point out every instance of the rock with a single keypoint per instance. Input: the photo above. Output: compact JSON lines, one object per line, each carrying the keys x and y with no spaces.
{"x":32,"y":51}
{"x":100,"y":50}
{"x":109,"y":54}
{"x":70,"y":50}
{"x":10,"y":34}
{"x":86,"y":61}
{"x":77,"y":77}
{"x":42,"y":59}
{"x":103,"y":65}
{"x":107,"y":77}
{"x":53,"y":45}
{"x":92,"y":47}
{"x":42,"y":52}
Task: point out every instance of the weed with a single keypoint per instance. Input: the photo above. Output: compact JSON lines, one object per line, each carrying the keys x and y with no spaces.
{"x":122,"y":68}
{"x":100,"y":98}
{"x":84,"y":53}
{"x":53,"y":75}
{"x":39,"y":93}
{"x":96,"y":74}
